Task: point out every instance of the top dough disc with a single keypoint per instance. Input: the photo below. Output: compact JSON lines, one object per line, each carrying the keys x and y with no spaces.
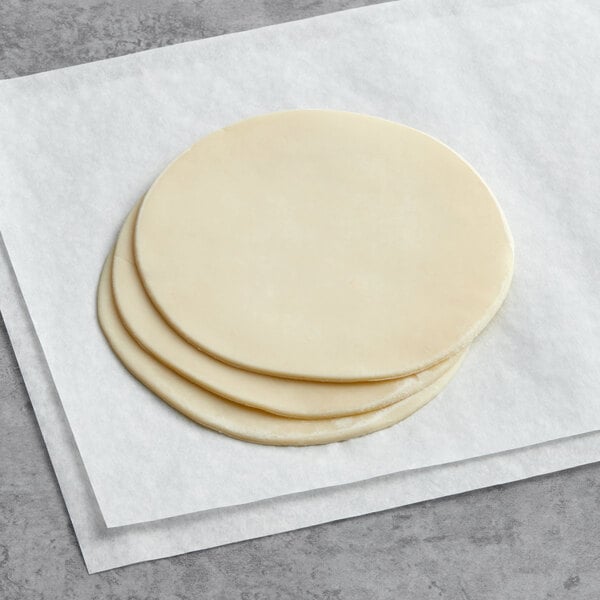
{"x":323,"y":245}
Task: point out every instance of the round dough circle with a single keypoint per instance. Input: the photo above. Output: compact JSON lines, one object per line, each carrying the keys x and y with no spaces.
{"x":234,"y":419}
{"x":288,"y":397}
{"x":325,"y":246}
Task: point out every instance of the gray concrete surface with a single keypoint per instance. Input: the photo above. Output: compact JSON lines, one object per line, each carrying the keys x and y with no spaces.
{"x":537,"y":539}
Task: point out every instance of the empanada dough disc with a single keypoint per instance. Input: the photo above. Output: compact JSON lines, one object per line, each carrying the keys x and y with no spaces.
{"x":324,"y":245}
{"x":234,"y":419}
{"x":298,"y":399}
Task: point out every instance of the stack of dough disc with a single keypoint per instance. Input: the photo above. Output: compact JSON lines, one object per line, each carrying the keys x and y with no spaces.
{"x":305,"y":277}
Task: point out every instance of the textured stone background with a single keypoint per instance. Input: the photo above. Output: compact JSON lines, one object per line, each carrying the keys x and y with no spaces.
{"x":536,"y":539}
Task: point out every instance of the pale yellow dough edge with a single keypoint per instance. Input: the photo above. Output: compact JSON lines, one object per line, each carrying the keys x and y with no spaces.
{"x":296,"y":399}
{"x":233,"y":419}
{"x":325,"y":246}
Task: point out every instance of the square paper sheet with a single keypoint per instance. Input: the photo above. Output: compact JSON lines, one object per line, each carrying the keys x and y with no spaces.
{"x":80,"y":145}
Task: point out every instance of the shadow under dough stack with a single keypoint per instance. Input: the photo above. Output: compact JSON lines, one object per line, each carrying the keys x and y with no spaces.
{"x":305,"y":277}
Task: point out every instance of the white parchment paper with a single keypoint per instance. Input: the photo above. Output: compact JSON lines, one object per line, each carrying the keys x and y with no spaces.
{"x":107,"y":548}
{"x":511,"y":89}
